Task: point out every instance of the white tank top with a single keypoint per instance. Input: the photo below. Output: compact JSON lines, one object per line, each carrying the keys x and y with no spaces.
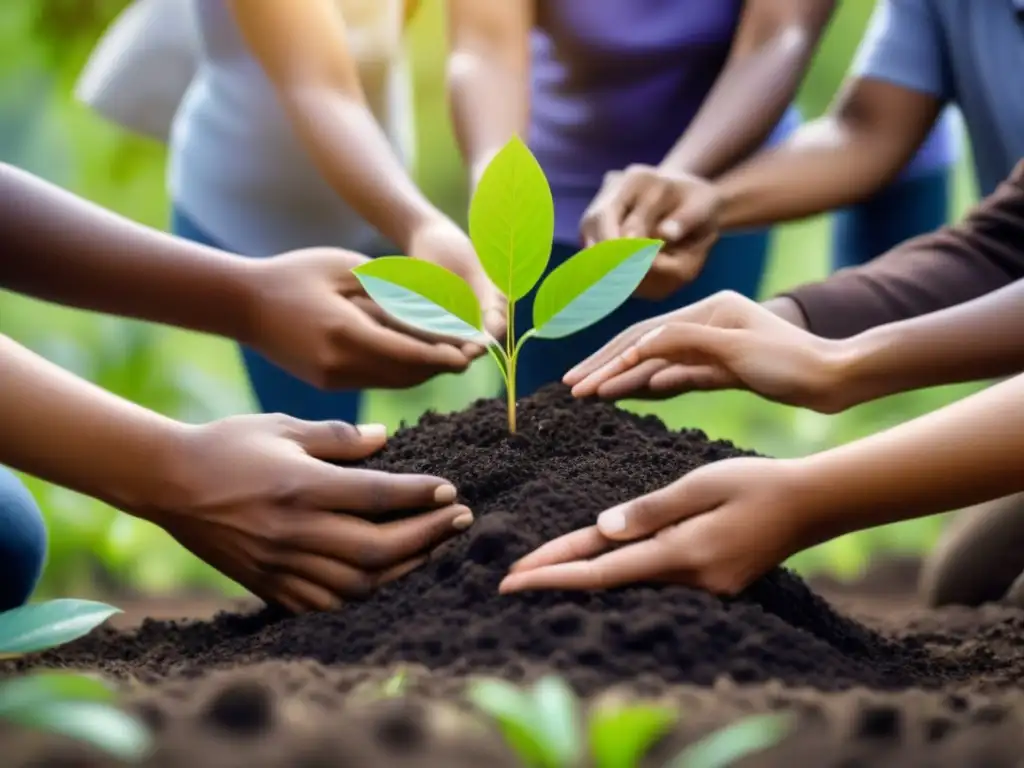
{"x":237,"y":168}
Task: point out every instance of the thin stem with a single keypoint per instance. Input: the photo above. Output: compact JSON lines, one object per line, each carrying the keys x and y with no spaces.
{"x":496,"y":352}
{"x":510,"y":378}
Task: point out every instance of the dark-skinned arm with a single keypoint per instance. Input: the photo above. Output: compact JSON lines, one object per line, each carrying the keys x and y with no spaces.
{"x":773,"y":47}
{"x":488,"y":75}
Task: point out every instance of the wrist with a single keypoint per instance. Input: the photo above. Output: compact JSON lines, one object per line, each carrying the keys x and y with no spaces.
{"x":788,"y":309}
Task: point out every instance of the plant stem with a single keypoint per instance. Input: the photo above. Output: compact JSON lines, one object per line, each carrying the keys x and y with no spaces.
{"x":510,"y":378}
{"x":510,"y":388}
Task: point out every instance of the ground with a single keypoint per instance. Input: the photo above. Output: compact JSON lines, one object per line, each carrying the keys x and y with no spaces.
{"x":873,"y":679}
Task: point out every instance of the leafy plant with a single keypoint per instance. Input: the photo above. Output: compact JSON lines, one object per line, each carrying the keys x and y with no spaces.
{"x":77,"y":706}
{"x":545,"y":728}
{"x":511,"y":224}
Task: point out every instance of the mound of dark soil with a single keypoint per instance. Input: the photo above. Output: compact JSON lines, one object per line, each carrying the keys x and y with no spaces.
{"x":569,"y":461}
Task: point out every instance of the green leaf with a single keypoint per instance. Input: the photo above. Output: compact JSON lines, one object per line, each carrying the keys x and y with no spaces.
{"x":28,"y":692}
{"x":592,"y":284}
{"x":556,"y":713}
{"x":40,"y":626}
{"x":734,"y":742}
{"x":423,"y":295}
{"x":396,"y":685}
{"x":100,"y":725}
{"x":512,"y":220}
{"x":621,"y":736}
{"x":513,"y":710}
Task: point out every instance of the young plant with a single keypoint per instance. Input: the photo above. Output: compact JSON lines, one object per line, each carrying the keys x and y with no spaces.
{"x":545,"y":728}
{"x":511,"y":224}
{"x":76,"y":706}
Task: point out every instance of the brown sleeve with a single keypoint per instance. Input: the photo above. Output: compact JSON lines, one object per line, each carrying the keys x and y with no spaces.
{"x":948,"y":267}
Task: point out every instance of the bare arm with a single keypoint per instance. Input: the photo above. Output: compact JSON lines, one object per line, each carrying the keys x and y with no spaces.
{"x":304,"y":51}
{"x":867,"y":138}
{"x":60,"y":248}
{"x":488,"y":75}
{"x":770,"y":55}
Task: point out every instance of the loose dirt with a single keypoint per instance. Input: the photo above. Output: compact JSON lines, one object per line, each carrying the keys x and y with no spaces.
{"x":874,"y":682}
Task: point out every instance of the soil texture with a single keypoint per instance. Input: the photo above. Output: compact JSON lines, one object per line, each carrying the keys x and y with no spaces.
{"x":874,"y":681}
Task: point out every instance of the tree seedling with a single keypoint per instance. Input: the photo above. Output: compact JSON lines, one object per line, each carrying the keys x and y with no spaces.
{"x":545,"y":727}
{"x":76,"y":706}
{"x":511,"y":224}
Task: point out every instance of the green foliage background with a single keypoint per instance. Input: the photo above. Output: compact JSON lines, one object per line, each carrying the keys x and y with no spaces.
{"x":43,"y":44}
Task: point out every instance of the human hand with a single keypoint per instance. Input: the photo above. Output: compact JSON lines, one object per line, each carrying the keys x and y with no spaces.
{"x":723,"y":342}
{"x":255,"y":498}
{"x":309,"y":314}
{"x":718,"y":528}
{"x":644,"y":201}
{"x":440,"y":241}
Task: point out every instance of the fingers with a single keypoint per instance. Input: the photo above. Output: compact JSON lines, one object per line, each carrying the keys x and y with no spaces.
{"x":400,"y":348}
{"x":607,"y":353}
{"x":338,"y":440}
{"x":644,"y":561}
{"x":365,"y":490}
{"x":689,"y":220}
{"x":603,"y":218}
{"x":651,"y":206}
{"x":298,"y":595}
{"x":631,"y":382}
{"x":583,"y":543}
{"x":648,"y":514}
{"x":365,"y":546}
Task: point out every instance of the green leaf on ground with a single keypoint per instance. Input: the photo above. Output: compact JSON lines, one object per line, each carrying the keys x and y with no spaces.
{"x":621,"y":736}
{"x":512,"y":709}
{"x":557,"y":717}
{"x":26,"y":692}
{"x":591,"y":285}
{"x":423,"y":295}
{"x":734,"y":742}
{"x":39,"y":626}
{"x":101,"y":725}
{"x":512,"y":220}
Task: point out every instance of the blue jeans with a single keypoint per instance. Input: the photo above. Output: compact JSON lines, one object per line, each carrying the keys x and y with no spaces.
{"x":737,"y":263}
{"x":22,"y":542}
{"x":905,"y":209}
{"x":276,"y":390}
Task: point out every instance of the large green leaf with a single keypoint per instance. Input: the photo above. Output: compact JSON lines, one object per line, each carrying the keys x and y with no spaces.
{"x":40,"y":626}
{"x":28,"y":692}
{"x":621,"y":736}
{"x":557,"y":717}
{"x":591,"y":285}
{"x":423,"y":295}
{"x":512,"y":220}
{"x":734,"y":742}
{"x":100,"y":725}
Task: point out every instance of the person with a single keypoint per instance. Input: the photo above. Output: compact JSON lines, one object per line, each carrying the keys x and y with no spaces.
{"x":624,"y":91}
{"x":829,"y":346}
{"x":295,"y":133}
{"x":254,"y":496}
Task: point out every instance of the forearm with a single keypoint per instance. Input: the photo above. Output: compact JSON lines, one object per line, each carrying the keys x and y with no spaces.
{"x":357,"y":160}
{"x":753,"y":91}
{"x":961,"y":455}
{"x":65,"y":430}
{"x":60,"y":248}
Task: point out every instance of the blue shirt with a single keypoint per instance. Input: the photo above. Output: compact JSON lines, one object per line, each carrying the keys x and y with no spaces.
{"x":966,"y":52}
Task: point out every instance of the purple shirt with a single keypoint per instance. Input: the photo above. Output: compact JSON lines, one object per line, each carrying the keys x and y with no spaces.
{"x":616,"y":82}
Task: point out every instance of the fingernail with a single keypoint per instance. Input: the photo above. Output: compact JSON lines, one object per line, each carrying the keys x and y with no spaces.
{"x":445,"y":494}
{"x":374,"y":431}
{"x":463,"y":521}
{"x":650,"y":335}
{"x":611,"y":521}
{"x":671,"y":230}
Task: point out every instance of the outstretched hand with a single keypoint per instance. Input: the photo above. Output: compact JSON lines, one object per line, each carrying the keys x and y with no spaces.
{"x":723,"y":342}
{"x":644,"y":201}
{"x":718,"y":528}
{"x":255,"y":497}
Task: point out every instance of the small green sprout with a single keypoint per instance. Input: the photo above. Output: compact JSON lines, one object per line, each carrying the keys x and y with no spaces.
{"x":545,"y":728}
{"x":77,"y":706}
{"x":395,"y":686}
{"x":511,"y":224}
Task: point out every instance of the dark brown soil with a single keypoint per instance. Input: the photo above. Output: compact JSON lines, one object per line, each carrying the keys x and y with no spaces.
{"x":779,"y":644}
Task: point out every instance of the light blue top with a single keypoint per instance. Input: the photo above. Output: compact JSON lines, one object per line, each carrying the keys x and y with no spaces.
{"x":965,"y":52}
{"x":616,"y":82}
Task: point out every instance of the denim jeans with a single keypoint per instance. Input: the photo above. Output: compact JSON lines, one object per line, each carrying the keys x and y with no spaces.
{"x":906,"y":209}
{"x":22,"y":542}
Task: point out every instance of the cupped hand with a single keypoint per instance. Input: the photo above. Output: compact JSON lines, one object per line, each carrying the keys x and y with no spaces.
{"x":718,"y":528}
{"x":309,"y":314}
{"x":644,"y":201}
{"x":442,"y":242}
{"x":255,"y":498}
{"x":723,"y":342}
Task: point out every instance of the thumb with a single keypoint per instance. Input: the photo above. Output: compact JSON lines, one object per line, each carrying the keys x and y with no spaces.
{"x":339,"y":440}
{"x":687,"y":219}
{"x":682,"y":343}
{"x":646,"y":515}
